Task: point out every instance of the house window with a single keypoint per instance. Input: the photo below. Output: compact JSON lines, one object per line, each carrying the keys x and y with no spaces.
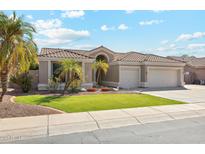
{"x":56,"y":73}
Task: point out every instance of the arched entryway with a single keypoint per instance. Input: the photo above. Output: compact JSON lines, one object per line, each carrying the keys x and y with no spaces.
{"x":102,"y":75}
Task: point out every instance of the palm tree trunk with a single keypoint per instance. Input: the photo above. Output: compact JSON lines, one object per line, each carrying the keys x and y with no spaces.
{"x":98,"y":76}
{"x":4,"y":82}
{"x":65,"y":88}
{"x":67,"y":84}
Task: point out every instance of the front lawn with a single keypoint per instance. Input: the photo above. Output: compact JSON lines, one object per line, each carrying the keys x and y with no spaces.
{"x":81,"y":103}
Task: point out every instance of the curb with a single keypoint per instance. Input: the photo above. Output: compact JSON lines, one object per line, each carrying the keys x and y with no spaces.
{"x":60,"y":112}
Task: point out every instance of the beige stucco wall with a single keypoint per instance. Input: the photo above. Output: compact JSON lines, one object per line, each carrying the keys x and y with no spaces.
{"x":189,"y":78}
{"x":43,"y":72}
{"x":194,"y":74}
{"x":200,"y":73}
{"x":35,"y":78}
{"x":143,"y":73}
{"x":112,"y":74}
{"x":88,"y":72}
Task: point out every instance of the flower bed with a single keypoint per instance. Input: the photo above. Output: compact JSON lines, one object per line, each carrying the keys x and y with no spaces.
{"x":106,"y":89}
{"x":92,"y":89}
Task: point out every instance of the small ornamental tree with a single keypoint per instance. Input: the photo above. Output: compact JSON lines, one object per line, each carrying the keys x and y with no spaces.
{"x":100,"y":66}
{"x":72,"y":67}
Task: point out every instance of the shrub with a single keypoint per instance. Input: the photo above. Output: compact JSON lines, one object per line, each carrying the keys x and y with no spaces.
{"x":34,"y":66}
{"x":75,"y":84}
{"x":24,"y":80}
{"x":53,"y":84}
{"x":74,"y":90}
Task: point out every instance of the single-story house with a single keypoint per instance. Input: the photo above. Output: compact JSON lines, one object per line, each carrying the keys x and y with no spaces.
{"x":194,"y":70}
{"x":126,"y":70}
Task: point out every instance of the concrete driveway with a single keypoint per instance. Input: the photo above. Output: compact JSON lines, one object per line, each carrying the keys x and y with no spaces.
{"x":189,"y":94}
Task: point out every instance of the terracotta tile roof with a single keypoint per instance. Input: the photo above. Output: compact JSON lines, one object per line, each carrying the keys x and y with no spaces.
{"x":191,"y":61}
{"x":84,"y":54}
{"x":63,"y":53}
{"x":198,"y":62}
{"x":139,"y":57}
{"x":156,"y":58}
{"x":118,"y":56}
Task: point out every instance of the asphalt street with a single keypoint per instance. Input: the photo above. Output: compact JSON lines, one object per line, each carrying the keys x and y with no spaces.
{"x":184,"y":131}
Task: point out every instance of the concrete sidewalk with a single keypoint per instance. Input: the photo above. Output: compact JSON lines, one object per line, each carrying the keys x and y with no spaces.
{"x":12,"y":129}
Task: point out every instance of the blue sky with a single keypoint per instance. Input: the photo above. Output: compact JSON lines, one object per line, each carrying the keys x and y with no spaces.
{"x":157,"y":32}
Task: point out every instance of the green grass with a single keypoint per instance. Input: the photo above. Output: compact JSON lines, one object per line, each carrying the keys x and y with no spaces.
{"x":83,"y":103}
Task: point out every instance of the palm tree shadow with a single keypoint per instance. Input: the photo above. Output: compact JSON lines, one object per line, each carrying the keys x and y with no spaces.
{"x":47,"y":99}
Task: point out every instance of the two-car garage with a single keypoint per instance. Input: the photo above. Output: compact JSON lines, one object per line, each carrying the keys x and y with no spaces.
{"x":130,"y":77}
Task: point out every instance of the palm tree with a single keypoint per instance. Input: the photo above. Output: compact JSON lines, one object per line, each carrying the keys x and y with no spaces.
{"x":71,"y":67}
{"x":17,"y":48}
{"x":100,"y":66}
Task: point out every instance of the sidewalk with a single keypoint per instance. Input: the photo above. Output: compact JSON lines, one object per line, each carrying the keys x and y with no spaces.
{"x":48,"y":125}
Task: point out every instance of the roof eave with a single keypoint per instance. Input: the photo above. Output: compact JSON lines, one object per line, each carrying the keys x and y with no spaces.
{"x":61,"y":58}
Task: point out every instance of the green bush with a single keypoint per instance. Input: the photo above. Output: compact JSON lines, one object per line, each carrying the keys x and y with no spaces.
{"x":53,"y":84}
{"x":24,"y":80}
{"x":34,"y":66}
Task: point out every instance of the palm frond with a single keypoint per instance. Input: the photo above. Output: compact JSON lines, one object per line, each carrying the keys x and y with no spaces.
{"x":17,"y":46}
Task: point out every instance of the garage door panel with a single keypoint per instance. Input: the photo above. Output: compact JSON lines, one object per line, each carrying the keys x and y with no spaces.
{"x":163,"y":78}
{"x":129,"y":77}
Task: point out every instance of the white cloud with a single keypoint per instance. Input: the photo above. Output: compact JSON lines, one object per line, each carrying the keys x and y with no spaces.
{"x":52,"y":42}
{"x":129,"y":11}
{"x":170,"y":47}
{"x":196,"y":46}
{"x":29,"y":16}
{"x":64,"y":33}
{"x":72,"y":14}
{"x":150,"y":22}
{"x":106,"y":28}
{"x":84,"y":46}
{"x":51,"y":33}
{"x":186,"y":37}
{"x":164,"y":42}
{"x":60,"y":36}
{"x":47,"y":24}
{"x":122,"y":27}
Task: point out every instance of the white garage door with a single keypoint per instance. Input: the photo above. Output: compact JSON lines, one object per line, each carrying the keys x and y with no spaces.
{"x":129,"y":77}
{"x":163,"y":78}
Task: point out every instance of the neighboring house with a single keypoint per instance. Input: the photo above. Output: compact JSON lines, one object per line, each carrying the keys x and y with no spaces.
{"x":127,"y":70}
{"x":194,"y":70}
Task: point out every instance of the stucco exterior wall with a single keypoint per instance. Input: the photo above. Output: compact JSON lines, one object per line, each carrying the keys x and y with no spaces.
{"x":194,"y":74}
{"x":43,"y":72}
{"x":200,"y":73}
{"x":35,"y":78}
{"x":88,"y":72}
{"x":143,"y":73}
{"x":112,"y":74}
{"x":191,"y":76}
